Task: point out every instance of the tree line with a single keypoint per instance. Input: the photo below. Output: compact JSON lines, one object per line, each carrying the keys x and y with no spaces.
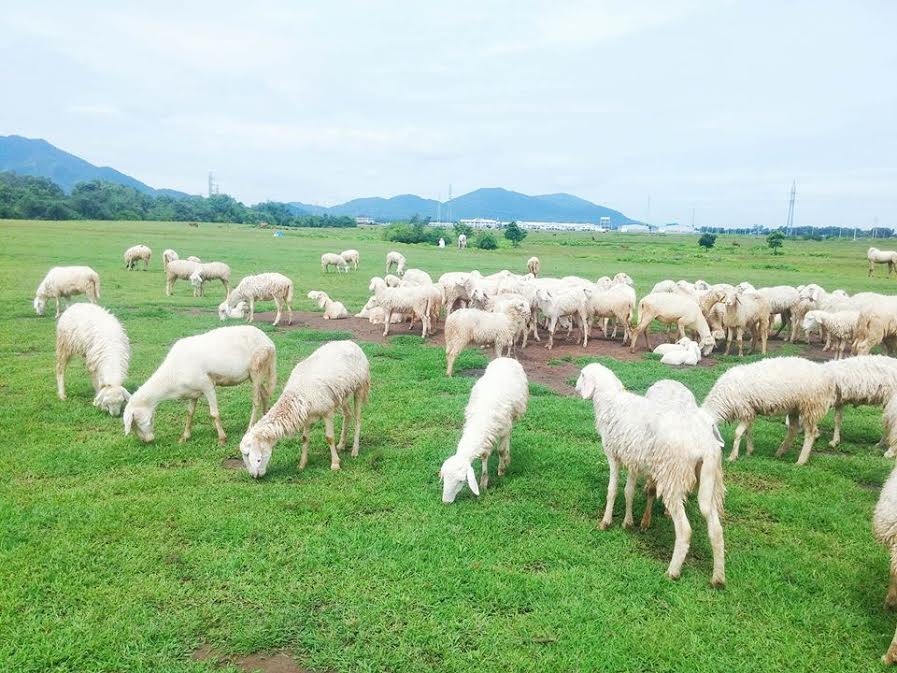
{"x":35,"y":198}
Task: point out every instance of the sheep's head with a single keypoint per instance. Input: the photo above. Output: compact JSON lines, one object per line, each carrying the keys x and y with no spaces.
{"x":809,"y":322}
{"x":392,"y":281}
{"x":745,"y":286}
{"x":707,"y":344}
{"x":40,"y":304}
{"x":702,"y":285}
{"x":225,"y":310}
{"x":623,"y":278}
{"x":196,"y":279}
{"x":478,"y":297}
{"x":256,"y":453}
{"x":595,"y":379}
{"x":138,"y":418}
{"x":732,"y":298}
{"x":376,"y":283}
{"x":111,"y":399}
{"x":454,"y":473}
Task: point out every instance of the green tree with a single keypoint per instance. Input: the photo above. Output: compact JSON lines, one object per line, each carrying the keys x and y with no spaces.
{"x":485,"y":240}
{"x":775,"y":241}
{"x":461,"y":228}
{"x":514,"y":233}
{"x":707,"y":241}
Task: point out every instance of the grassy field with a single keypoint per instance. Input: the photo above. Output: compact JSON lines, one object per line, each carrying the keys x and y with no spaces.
{"x":120,"y":556}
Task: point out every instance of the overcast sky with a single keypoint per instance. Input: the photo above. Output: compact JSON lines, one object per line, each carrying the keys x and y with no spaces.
{"x":713,"y":105}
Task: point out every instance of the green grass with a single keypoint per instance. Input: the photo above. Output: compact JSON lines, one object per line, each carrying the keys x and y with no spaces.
{"x":120,"y":556}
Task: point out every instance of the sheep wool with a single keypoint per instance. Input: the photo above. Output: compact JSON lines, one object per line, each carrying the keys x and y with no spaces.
{"x":62,"y":282}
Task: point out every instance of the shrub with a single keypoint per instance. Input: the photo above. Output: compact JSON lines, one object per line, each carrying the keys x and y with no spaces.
{"x":485,"y":240}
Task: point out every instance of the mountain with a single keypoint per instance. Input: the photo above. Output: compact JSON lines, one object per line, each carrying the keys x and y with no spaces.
{"x":37,"y":157}
{"x":395,"y":208}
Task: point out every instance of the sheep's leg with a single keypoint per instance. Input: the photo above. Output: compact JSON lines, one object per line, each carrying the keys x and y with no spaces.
{"x":650,"y":496}
{"x":191,"y":409}
{"x":891,"y":597}
{"x":736,"y":442}
{"x":871,"y":267}
{"x":709,"y":510}
{"x":57,"y":307}
{"x":504,"y":455}
{"x":890,"y":656}
{"x":534,"y":321}
{"x":552,"y":326}
{"x":277,"y":316}
{"x":252,"y":310}
{"x":612,"y":478}
{"x":683,"y":538}
{"x":739,"y":337}
{"x":628,"y":495}
{"x":289,"y":306}
{"x":836,"y":434}
{"x":62,"y":361}
{"x":303,"y":456}
{"x":226,"y":288}
{"x":451,"y":355}
{"x":345,"y":426}
{"x":168,"y":287}
{"x":484,"y":473}
{"x":730,"y":333}
{"x":212,"y":398}
{"x":750,"y":439}
{"x":789,"y":437}
{"x":387,"y":315}
{"x":681,"y":325}
{"x":357,"y":411}
{"x":328,"y":433}
{"x":811,"y":432}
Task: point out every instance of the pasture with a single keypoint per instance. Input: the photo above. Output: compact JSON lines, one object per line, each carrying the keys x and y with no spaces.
{"x":121,"y":556}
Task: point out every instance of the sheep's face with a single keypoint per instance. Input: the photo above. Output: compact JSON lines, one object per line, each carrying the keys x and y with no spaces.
{"x":731,"y":300}
{"x":454,"y":474}
{"x":595,"y":379}
{"x":809,"y":322}
{"x":372,"y":286}
{"x":196,"y":280}
{"x":624,"y":278}
{"x":256,"y":454}
{"x":111,"y":399}
{"x":707,"y":344}
{"x":702,"y":285}
{"x":140,"y":420}
{"x":40,"y":304}
{"x":238,"y":311}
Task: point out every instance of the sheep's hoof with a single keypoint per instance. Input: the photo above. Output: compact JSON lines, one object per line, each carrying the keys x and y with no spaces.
{"x":889,"y":453}
{"x":63,"y":397}
{"x":603,"y":525}
{"x":833,"y":444}
{"x":718,"y":582}
{"x":334,"y":466}
{"x":673,"y":576}
{"x":732,"y":457}
{"x":183,"y":439}
{"x":644,"y":525}
{"x":222,"y":441}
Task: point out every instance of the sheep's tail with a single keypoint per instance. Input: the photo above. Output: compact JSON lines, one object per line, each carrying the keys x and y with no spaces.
{"x":96,"y":285}
{"x":271,"y":373}
{"x":712,"y":490}
{"x":290,"y":292}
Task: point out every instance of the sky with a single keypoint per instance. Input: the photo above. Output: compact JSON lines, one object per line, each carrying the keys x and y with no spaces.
{"x":664,"y":110}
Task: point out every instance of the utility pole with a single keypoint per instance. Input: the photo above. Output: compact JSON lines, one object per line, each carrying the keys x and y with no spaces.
{"x":789,"y":224}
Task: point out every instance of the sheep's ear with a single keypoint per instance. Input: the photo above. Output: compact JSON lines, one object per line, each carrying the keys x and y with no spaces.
{"x":472,"y":480}
{"x":586,"y":387}
{"x":441,"y":474}
{"x":128,"y":418}
{"x":97,"y":399}
{"x":127,"y":395}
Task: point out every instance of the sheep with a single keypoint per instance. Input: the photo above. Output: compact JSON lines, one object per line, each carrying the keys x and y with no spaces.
{"x":865,"y":379}
{"x":663,"y":349}
{"x":462,"y":241}
{"x":840,"y":328}
{"x":416,"y":277}
{"x":556,"y":305}
{"x":497,"y":400}
{"x":96,"y":335}
{"x":889,"y":438}
{"x":322,"y":384}
{"x":672,"y":308}
{"x":194,"y":259}
{"x":664,"y":442}
{"x":457,"y":285}
{"x":261,"y":287}
{"x":800,"y":389}
{"x":352,"y":257}
{"x":396,"y":259}
{"x":623,"y":278}
{"x":876,"y":256}
{"x":210,"y":271}
{"x":876,"y":324}
{"x":781,"y":300}
{"x":195,"y":365}
{"x":534,"y":266}
{"x":62,"y":282}
{"x":746,"y":310}
{"x":689,"y":355}
{"x":179,"y":269}
{"x":168,"y":255}
{"x":329,"y":259}
{"x":136,"y":253}
{"x":618,"y":301}
{"x":473,"y":325}
{"x":515,"y":303}
{"x":413,"y":300}
{"x":884,"y":527}
{"x":333,"y":310}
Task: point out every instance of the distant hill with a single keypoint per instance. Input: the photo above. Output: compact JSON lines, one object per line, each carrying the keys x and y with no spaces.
{"x":37,"y":157}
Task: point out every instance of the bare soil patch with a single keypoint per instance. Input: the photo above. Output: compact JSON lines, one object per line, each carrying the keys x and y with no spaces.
{"x":275,"y":662}
{"x":232,"y":464}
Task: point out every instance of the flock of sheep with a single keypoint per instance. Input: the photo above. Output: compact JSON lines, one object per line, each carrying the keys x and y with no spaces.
{"x":664,"y":436}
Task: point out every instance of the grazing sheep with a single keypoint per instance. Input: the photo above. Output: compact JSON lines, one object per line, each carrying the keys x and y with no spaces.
{"x":168,"y":255}
{"x":876,"y":256}
{"x":534,"y":266}
{"x":746,"y":310}
{"x":884,"y":526}
{"x":781,"y":300}
{"x":497,"y":400}
{"x":329,"y":259}
{"x":136,"y":253}
{"x":672,"y":308}
{"x":62,"y":282}
{"x":457,"y":287}
{"x":325,"y":382}
{"x":618,"y":302}
{"x":839,"y":328}
{"x":462,"y":241}
{"x":396,"y":259}
{"x":333,"y":310}
{"x":557,"y":305}
{"x":352,"y":257}
{"x":195,"y":365}
{"x":261,"y":287}
{"x":210,"y":271}
{"x":416,"y":277}
{"x":800,"y":389}
{"x":179,"y":269}
{"x":671,"y":447}
{"x":473,"y":325}
{"x":865,"y":379}
{"x":96,"y":335}
{"x":877,"y":324}
{"x":410,"y":300}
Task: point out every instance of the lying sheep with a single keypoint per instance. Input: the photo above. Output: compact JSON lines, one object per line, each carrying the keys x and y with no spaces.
{"x":333,"y":310}
{"x":135,"y":254}
{"x":534,"y":266}
{"x":210,"y":271}
{"x":396,"y":259}
{"x":352,"y":257}
{"x":97,"y":336}
{"x":668,"y":445}
{"x":63,"y":282}
{"x":180,"y":269}
{"x":194,"y":366}
{"x":839,"y":328}
{"x":676,"y":309}
{"x":260,"y":287}
{"x":663,"y":349}
{"x":497,"y":400}
{"x":329,"y":259}
{"x":168,"y":255}
{"x":473,"y":325}
{"x":802,"y":390}
{"x":322,"y":384}
{"x":689,"y":355}
{"x":865,"y":379}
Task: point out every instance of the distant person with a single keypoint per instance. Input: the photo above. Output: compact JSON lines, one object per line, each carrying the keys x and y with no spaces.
{"x":441,"y":242}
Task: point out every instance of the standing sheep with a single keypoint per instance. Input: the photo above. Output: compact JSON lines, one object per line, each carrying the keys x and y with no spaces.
{"x":411,"y":300}
{"x":672,"y":308}
{"x":876,"y":256}
{"x":179,"y":269}
{"x":839,"y":328}
{"x":210,"y":271}
{"x":96,"y":335}
{"x":325,"y":382}
{"x":333,"y":310}
{"x":746,"y":310}
{"x":329,"y":259}
{"x":534,"y":266}
{"x":195,"y":365}
{"x":473,"y":325}
{"x":396,"y":259}
{"x":136,"y":253}
{"x":261,"y":287}
{"x":462,"y":241}
{"x":497,"y":400}
{"x":864,"y":379}
{"x":62,"y":282}
{"x":884,"y":526}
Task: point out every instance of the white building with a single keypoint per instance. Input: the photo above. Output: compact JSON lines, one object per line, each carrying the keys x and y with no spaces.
{"x":562,"y":226}
{"x":637,"y":229}
{"x":365,"y":220}
{"x":483,"y":223}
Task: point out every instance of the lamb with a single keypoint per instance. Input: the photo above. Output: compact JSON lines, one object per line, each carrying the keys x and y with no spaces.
{"x":168,"y":255}
{"x":329,"y":259}
{"x":333,"y":310}
{"x":352,"y":257}
{"x":746,"y":310}
{"x":62,"y":282}
{"x":840,"y":328}
{"x":96,"y":335}
{"x":800,"y":389}
{"x":665,"y":443}
{"x":325,"y":382}
{"x":414,"y":300}
{"x":663,"y":349}
{"x":396,"y":259}
{"x":534,"y":266}
{"x":672,"y":308}
{"x":194,"y":366}
{"x":261,"y":287}
{"x":884,"y":526}
{"x":136,"y":253}
{"x":689,"y":354}
{"x":876,"y":256}
{"x":210,"y":271}
{"x":865,"y":379}
{"x":497,"y":400}
{"x":473,"y":325}
{"x":179,"y":269}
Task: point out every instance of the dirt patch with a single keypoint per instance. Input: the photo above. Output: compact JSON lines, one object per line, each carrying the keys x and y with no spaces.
{"x":275,"y":662}
{"x":869,"y":486}
{"x":232,"y":463}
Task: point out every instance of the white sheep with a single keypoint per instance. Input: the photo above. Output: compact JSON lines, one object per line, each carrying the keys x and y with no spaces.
{"x":497,"y":400}
{"x":396,"y":259}
{"x":194,"y":259}
{"x":462,"y":241}
{"x":207,"y":271}
{"x":876,"y":324}
{"x":96,"y":335}
{"x":839,"y":327}
{"x":62,"y":282}
{"x":534,"y":266}
{"x":876,"y":256}
{"x":781,"y":300}
{"x":746,"y":310}
{"x":669,"y":445}
{"x":689,"y":355}
{"x":333,"y":310}
{"x":325,"y":382}
{"x":260,"y":287}
{"x":802,"y":390}
{"x":618,"y":302}
{"x":559,"y":304}
{"x":352,"y":257}
{"x":456,"y":285}
{"x":391,"y":280}
{"x":865,"y":379}
{"x":519,"y":306}
{"x":338,"y":262}
{"x":410,"y":300}
{"x":168,"y":255}
{"x":665,"y":348}
{"x":416,"y":277}
{"x":473,"y":325}
{"x":194,"y":366}
{"x":135,"y":254}
{"x":671,"y":308}
{"x":179,"y":269}
{"x":884,"y":526}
